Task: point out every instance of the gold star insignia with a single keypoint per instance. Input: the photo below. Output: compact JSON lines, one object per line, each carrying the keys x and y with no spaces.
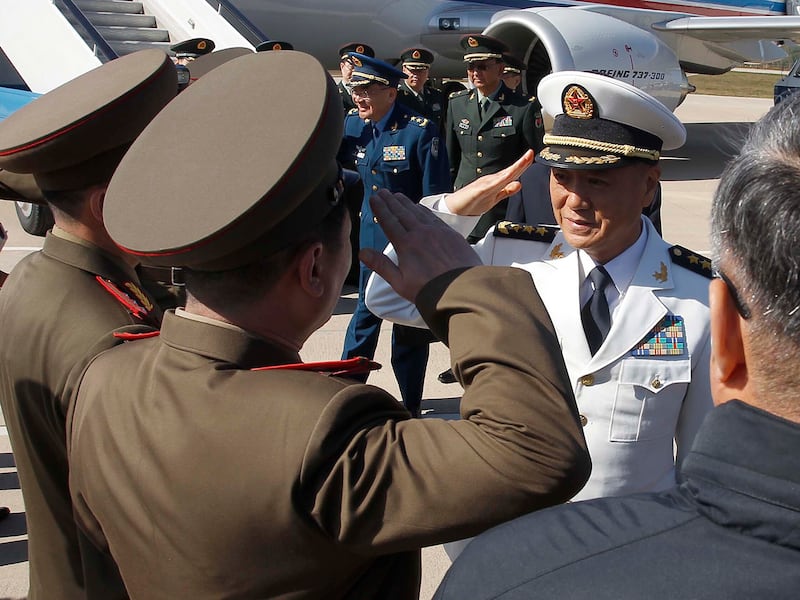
{"x":706,"y":264}
{"x":693,"y":259}
{"x":541,"y":230}
{"x":661,"y":274}
{"x":528,"y":228}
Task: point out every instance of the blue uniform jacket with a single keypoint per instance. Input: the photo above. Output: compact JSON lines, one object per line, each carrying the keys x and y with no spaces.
{"x":408,"y":157}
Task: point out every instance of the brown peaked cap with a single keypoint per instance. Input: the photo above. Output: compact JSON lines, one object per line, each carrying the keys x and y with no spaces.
{"x":75,"y":135}
{"x":262,"y":171}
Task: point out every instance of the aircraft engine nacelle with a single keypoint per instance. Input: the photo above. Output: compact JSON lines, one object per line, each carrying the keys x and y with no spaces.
{"x":566,"y":39}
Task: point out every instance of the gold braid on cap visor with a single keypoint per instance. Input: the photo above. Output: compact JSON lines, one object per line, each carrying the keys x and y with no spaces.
{"x":621,"y":149}
{"x":368,"y":76}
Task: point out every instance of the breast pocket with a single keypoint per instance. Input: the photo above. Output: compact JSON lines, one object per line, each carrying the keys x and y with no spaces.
{"x":503,"y":132}
{"x":648,"y":399}
{"x":396,"y":175}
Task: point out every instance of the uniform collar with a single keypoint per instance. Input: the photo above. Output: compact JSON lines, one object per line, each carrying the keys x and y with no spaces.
{"x":84,"y":255}
{"x":381,"y":125}
{"x":229,"y":344}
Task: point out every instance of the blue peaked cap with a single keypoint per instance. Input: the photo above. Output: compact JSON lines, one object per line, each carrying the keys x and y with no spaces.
{"x":368,"y":70}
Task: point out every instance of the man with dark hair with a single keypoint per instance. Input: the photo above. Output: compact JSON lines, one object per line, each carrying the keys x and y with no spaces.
{"x":489,"y":126}
{"x":730,"y":528}
{"x":306,"y":484}
{"x":58,"y":304}
{"x":414,"y":91}
{"x":395,"y":149}
{"x":346,"y":69}
{"x":631,"y":311}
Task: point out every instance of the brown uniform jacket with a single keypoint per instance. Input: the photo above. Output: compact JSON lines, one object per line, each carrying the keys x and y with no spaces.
{"x":53,"y":313}
{"x":208,"y":479}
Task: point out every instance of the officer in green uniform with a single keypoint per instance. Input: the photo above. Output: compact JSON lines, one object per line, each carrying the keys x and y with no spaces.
{"x":58,"y":305}
{"x":210,"y":458}
{"x":272,"y":45}
{"x":490,"y":126}
{"x":414,"y":92}
{"x":346,"y":67}
{"x":188,"y":50}
{"x":512,"y":72}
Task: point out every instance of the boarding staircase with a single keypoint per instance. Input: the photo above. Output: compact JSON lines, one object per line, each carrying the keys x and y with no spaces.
{"x":123,"y":24}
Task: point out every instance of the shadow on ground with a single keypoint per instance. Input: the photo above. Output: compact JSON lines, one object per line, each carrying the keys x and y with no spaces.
{"x":708,"y":148}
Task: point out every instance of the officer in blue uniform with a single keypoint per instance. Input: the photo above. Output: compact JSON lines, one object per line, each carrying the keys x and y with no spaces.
{"x":346,"y":68}
{"x":396,"y":149}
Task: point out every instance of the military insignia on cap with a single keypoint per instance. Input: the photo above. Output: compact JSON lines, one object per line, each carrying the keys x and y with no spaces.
{"x":577,"y":103}
{"x":415,"y":54}
{"x":277,"y":47}
{"x":355,"y":61}
{"x":201,"y":45}
{"x":667,"y":338}
{"x":473,"y":43}
{"x":360,"y":50}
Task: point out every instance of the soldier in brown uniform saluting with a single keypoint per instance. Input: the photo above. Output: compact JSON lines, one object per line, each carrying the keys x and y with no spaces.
{"x":306,"y":484}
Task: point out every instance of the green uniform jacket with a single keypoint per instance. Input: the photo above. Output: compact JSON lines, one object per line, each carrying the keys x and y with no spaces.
{"x":432,"y":104}
{"x":477,"y":146}
{"x":208,"y":479}
{"x":53,"y":314}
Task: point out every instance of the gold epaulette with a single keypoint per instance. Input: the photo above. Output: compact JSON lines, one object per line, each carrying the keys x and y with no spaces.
{"x":458,"y":93}
{"x":525,"y":231}
{"x":421,"y":121}
{"x":683,"y":257}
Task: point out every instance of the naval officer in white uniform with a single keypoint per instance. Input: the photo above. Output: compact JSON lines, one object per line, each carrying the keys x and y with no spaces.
{"x":630,"y":310}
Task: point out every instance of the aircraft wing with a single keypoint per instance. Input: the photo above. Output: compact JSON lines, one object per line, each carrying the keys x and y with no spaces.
{"x":732,"y":29}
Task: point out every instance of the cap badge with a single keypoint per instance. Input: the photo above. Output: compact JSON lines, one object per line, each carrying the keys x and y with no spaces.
{"x":473,"y":43}
{"x":355,"y":61}
{"x":277,"y":47}
{"x":578,"y":103}
{"x":360,"y":49}
{"x":201,"y":45}
{"x":415,"y":54}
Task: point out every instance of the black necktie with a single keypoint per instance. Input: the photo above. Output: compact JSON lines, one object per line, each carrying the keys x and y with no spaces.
{"x":595,"y":315}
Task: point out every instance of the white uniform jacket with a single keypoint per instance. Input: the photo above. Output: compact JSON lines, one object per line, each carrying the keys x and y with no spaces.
{"x":637,"y":394}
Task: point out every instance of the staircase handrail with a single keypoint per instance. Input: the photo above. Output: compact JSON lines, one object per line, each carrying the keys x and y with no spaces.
{"x":102,"y":49}
{"x":239,"y":21}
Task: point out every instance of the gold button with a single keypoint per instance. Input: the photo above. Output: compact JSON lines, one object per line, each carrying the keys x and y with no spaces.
{"x":374,"y":172}
{"x":374,"y":188}
{"x":480,"y":154}
{"x":587,"y":380}
{"x":478,"y":170}
{"x":656,"y":383}
{"x":584,"y":420}
{"x":502,"y":135}
{"x":394,"y":170}
{"x":480,"y":138}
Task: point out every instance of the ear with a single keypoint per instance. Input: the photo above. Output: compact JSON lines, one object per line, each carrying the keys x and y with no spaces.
{"x":729,"y":374}
{"x":97,"y":197}
{"x":309,"y":270}
{"x":653,"y":176}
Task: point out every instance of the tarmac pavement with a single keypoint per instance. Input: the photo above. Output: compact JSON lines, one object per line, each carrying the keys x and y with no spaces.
{"x":715,"y":125}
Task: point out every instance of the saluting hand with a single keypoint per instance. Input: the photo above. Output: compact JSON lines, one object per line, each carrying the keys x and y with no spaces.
{"x":426,"y":247}
{"x":482,"y":194}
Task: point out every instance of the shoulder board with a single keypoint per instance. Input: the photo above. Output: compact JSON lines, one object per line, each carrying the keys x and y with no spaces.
{"x":683,"y":257}
{"x":130,"y":296}
{"x":459,"y":93}
{"x":524,"y":231}
{"x":332,"y":368}
{"x":421,"y":121}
